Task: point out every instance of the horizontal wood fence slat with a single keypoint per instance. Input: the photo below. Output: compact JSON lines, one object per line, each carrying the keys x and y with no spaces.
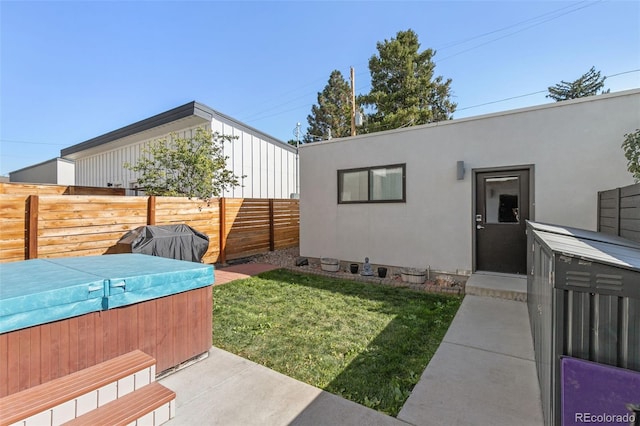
{"x":41,"y":189}
{"x":54,"y":225}
{"x":619,"y":212}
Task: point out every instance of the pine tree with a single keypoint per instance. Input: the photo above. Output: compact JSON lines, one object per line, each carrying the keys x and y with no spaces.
{"x":404,"y":91}
{"x":588,"y":85}
{"x":331,"y":117}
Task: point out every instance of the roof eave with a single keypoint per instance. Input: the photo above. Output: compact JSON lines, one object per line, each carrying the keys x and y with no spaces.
{"x":184,"y":111}
{"x":190,"y":109}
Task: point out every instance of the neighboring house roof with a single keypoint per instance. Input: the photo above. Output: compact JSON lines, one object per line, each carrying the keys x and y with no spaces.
{"x":53,"y":160}
{"x":191,"y":110}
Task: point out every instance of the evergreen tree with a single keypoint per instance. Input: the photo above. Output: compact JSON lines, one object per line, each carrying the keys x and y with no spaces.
{"x":331,"y":117}
{"x":404,"y":91}
{"x":588,"y":85}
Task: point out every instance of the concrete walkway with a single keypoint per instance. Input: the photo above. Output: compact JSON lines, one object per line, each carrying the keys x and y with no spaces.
{"x":502,"y":286}
{"x":225,"y":389}
{"x":483,"y":373}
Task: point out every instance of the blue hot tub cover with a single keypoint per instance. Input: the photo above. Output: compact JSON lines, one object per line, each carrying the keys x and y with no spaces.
{"x":37,"y":291}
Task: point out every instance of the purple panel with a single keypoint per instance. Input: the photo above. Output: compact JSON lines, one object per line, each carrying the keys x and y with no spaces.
{"x":595,"y":393}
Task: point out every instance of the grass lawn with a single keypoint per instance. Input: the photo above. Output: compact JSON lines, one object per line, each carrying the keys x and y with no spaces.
{"x":367,"y":343}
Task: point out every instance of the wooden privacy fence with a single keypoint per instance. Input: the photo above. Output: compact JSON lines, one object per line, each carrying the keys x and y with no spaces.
{"x":48,"y":226}
{"x":11,"y":188}
{"x":619,"y":212}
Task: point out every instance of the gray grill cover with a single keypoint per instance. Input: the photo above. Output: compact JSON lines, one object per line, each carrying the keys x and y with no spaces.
{"x":180,"y":242}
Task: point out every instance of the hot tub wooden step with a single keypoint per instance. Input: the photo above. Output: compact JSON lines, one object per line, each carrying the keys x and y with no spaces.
{"x":65,"y":398}
{"x":151,"y":405}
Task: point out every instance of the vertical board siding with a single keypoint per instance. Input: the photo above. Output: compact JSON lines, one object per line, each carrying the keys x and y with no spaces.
{"x":255,"y":175}
{"x":619,"y":212}
{"x":247,"y":168}
{"x":171,"y":329}
{"x":263,"y":171}
{"x":237,"y":165}
{"x":270,"y":170}
{"x":258,"y":157}
{"x":77,"y":225}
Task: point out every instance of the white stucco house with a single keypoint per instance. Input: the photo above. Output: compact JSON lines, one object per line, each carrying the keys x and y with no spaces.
{"x":268,"y":164}
{"x":57,"y":171}
{"x":454,"y":195}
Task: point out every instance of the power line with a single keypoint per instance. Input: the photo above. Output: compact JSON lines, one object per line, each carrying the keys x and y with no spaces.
{"x":621,"y":73}
{"x":515,"y":32}
{"x":521,"y":96}
{"x":535,"y":93}
{"x":478,"y":36}
{"x":502,"y":100}
{"x":459,"y":109}
{"x":31,"y":142}
{"x":552,"y":15}
{"x":278,"y":113}
{"x":261,"y":115}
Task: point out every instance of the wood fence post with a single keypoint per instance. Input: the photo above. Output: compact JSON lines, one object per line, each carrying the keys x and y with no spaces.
{"x":599,"y":210}
{"x":151,"y":210}
{"x":272,"y":237}
{"x":222,"y":257}
{"x":618,"y":203}
{"x":32,"y":227}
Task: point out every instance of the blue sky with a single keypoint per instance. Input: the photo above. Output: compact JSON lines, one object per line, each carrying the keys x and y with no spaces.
{"x":73,"y":70}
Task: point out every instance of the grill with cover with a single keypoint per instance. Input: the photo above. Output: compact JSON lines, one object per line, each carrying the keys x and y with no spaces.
{"x":180,"y":242}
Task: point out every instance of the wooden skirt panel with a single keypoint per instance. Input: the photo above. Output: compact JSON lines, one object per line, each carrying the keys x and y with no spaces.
{"x":171,"y":329}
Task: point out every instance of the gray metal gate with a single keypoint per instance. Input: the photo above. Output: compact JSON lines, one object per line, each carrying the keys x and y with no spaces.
{"x":583,"y":293}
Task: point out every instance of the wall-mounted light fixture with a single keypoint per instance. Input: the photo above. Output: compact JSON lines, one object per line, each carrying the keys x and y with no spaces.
{"x":460,"y":170}
{"x":109,"y":184}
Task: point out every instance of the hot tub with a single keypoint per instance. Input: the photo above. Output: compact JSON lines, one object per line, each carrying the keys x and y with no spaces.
{"x":58,"y":316}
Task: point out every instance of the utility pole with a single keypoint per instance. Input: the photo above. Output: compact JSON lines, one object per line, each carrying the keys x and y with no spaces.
{"x":353,"y":102}
{"x":297,"y":133}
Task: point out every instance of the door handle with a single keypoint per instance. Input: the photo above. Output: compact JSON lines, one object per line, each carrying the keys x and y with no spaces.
{"x":479,"y":227}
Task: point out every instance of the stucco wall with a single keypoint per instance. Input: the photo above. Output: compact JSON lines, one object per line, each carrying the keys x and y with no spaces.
{"x":573,"y":146}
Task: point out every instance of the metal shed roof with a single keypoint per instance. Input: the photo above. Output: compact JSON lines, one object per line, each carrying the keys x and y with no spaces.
{"x":589,"y":245}
{"x":585,"y":234}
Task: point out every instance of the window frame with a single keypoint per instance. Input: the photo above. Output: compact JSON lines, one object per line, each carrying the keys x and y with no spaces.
{"x":403,"y":166}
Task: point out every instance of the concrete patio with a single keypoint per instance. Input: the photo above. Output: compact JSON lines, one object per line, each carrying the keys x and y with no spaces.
{"x":482,"y":373}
